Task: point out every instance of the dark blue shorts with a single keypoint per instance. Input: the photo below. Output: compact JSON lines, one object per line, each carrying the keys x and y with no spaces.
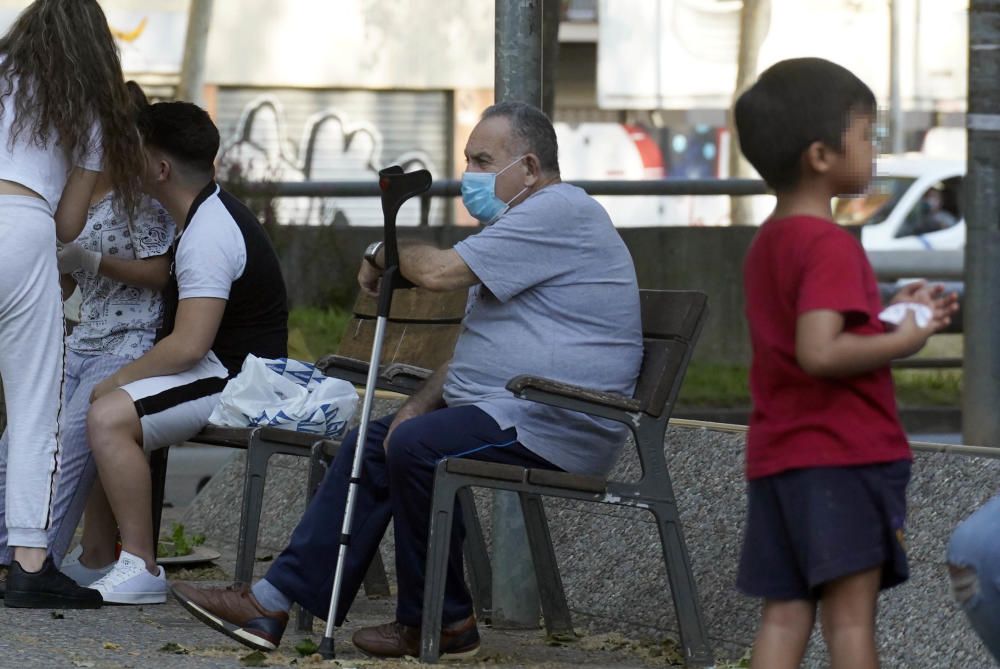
{"x":807,"y":527}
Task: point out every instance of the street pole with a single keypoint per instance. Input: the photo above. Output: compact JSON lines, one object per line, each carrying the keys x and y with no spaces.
{"x":895,"y":102}
{"x":981,"y":370}
{"x":551,"y":15}
{"x":517,"y":77}
{"x":755,"y":21}
{"x":518,"y":43}
{"x":195,"y":46}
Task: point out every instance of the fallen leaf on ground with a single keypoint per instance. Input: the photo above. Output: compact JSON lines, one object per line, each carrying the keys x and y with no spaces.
{"x":668,"y":649}
{"x":562,"y":638}
{"x":206,"y":573}
{"x":108,"y":645}
{"x":306,"y":647}
{"x":612,"y":641}
{"x":174,"y":648}
{"x":254,"y":659}
{"x":494,"y":659}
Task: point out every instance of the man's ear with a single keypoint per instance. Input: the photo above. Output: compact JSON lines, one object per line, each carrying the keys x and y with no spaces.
{"x":818,"y":157}
{"x":532,"y":169}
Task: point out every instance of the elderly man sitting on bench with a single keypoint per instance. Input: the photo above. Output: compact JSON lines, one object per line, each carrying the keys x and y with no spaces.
{"x":553,"y":292}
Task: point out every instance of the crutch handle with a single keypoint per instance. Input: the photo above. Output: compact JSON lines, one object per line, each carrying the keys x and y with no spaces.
{"x":397,"y":187}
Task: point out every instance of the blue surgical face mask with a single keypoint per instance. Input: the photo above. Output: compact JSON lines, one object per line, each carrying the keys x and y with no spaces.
{"x":480,"y":198}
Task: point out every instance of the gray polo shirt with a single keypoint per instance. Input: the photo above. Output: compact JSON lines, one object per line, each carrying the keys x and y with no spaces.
{"x":558,"y":299}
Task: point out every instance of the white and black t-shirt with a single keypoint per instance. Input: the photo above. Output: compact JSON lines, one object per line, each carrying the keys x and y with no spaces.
{"x":224,"y":253}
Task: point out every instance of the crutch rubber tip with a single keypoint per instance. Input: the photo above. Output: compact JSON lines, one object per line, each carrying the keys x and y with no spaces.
{"x":326,"y":649}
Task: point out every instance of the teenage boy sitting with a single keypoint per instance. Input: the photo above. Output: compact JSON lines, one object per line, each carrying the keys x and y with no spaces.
{"x":226,"y":299}
{"x":827,"y":460}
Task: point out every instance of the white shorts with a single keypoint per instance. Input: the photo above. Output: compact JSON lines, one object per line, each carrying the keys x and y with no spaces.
{"x":174,"y":408}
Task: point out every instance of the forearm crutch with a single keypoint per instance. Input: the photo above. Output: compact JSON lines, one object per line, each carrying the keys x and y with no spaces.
{"x":397,"y":187}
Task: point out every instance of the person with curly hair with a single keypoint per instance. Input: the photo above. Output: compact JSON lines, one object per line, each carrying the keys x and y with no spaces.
{"x":121,"y":265}
{"x":65,"y":116}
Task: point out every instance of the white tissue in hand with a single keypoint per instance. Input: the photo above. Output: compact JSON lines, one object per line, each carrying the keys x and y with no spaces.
{"x":897,"y":312}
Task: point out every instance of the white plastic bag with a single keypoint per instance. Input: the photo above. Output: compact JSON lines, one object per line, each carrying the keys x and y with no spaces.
{"x":288,"y":394}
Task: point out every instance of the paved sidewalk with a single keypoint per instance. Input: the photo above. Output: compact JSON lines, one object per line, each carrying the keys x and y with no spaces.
{"x":167,"y":636}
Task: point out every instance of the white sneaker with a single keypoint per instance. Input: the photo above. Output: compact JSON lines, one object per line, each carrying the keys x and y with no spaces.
{"x":129,"y":582}
{"x":83,"y":576}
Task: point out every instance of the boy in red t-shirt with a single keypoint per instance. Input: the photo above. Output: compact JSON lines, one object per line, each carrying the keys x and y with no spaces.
{"x":827,"y":460}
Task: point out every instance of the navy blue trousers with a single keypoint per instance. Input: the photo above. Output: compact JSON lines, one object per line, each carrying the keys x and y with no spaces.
{"x":394,"y":486}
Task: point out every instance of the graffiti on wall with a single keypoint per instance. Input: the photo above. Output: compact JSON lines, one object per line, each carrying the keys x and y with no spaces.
{"x":332,"y":147}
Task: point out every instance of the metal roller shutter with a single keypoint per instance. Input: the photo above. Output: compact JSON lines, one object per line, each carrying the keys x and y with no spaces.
{"x":296,"y":134}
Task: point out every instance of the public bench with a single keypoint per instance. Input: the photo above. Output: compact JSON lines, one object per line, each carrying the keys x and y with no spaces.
{"x":420,"y":336}
{"x":671,"y":324}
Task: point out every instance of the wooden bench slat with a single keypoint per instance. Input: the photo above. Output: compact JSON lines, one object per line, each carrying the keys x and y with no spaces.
{"x":417,"y":305}
{"x":239,"y":437}
{"x":567,"y":481}
{"x":490,"y":470}
{"x":215,"y":435}
{"x":281,"y":436}
{"x":542,"y":477}
{"x":420,"y":344}
{"x":673,"y":313}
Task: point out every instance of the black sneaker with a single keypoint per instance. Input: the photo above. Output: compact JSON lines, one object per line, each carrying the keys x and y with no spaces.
{"x":48,"y":588}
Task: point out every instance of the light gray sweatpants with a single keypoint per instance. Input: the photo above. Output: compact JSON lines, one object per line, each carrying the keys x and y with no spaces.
{"x":77,"y":470}
{"x":31,"y":364}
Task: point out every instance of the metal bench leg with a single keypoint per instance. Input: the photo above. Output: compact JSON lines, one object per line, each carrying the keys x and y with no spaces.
{"x":477,"y":557}
{"x":438,"y":540}
{"x":555,"y":609}
{"x":318,"y":463}
{"x":691,"y":622}
{"x":158,"y":479}
{"x":258,"y":453}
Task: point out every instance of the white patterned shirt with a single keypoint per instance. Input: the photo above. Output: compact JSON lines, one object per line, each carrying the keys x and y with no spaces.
{"x":117,"y":319}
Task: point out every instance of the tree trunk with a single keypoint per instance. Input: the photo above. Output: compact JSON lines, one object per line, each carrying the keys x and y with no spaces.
{"x":195,"y":45}
{"x":755,"y":19}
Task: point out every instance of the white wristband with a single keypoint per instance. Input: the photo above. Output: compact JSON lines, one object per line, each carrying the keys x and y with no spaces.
{"x":90,"y":262}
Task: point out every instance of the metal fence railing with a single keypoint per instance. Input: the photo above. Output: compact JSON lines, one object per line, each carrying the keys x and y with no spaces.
{"x":453,"y":188}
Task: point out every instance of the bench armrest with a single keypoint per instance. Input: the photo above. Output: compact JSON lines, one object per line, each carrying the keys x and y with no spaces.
{"x":575,"y":398}
{"x":397,"y":377}
{"x":400,"y":370}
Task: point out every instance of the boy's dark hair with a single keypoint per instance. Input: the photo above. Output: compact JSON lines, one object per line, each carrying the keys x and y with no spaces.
{"x":793,"y":104}
{"x":183,"y":130}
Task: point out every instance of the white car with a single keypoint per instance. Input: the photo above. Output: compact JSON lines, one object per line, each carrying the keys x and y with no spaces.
{"x":914,"y":203}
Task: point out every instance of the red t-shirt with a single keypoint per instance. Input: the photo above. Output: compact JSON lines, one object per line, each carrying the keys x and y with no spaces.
{"x":801,"y":264}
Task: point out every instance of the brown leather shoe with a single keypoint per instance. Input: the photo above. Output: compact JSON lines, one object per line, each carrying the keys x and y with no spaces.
{"x":235,"y":612}
{"x":458,"y":640}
